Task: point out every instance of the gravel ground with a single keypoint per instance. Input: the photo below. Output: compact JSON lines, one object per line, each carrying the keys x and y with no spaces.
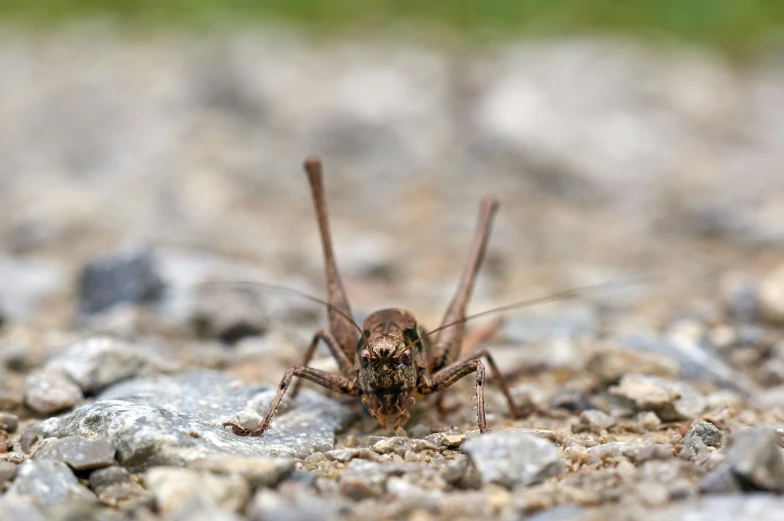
{"x":137,"y":168}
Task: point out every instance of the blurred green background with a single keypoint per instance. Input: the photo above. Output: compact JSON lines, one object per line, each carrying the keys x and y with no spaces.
{"x":733,"y":26}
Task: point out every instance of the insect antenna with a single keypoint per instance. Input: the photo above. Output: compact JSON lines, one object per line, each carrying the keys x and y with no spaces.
{"x":286,"y":289}
{"x":560,"y":295}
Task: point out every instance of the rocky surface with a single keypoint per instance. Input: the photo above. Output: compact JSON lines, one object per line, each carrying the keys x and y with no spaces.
{"x":118,"y":365}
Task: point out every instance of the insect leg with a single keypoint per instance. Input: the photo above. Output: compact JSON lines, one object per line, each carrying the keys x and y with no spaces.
{"x":451,"y":374}
{"x":344,"y":363}
{"x":446,"y":347}
{"x":341,"y":328}
{"x":517,"y":412}
{"x":331,"y":381}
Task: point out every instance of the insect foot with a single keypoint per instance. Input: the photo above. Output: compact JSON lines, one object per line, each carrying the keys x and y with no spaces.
{"x":241,"y":431}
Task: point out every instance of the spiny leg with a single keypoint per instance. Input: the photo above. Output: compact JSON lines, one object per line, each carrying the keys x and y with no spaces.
{"x":340,"y":327}
{"x":451,"y":374}
{"x":446,"y":346}
{"x":517,"y":411}
{"x":331,"y":381}
{"x":472,"y":340}
{"x":344,"y":364}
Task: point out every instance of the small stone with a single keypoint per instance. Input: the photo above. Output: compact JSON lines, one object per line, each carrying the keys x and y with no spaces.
{"x":648,"y":420}
{"x":400,"y":445}
{"x":611,"y":364}
{"x":668,"y":399}
{"x":755,"y":458}
{"x":7,"y":472}
{"x":78,"y":452}
{"x":49,"y":482}
{"x":634,"y":452}
{"x":771,"y":295}
{"x":346,"y":455}
{"x":710,"y":435}
{"x":271,"y":505}
{"x":571,"y":400}
{"x":50,"y":391}
{"x":453,"y":440}
{"x":129,"y":276}
{"x":594,"y":420}
{"x":100,"y":361}
{"x":357,"y":489}
{"x":258,"y":471}
{"x":175,"y":487}
{"x":108,"y":476}
{"x":512,"y":458}
{"x":8,"y":422}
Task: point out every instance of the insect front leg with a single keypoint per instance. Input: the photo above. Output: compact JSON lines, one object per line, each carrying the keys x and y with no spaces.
{"x":451,"y":374}
{"x":344,"y":363}
{"x":331,"y":381}
{"x":446,"y":347}
{"x":339,"y":325}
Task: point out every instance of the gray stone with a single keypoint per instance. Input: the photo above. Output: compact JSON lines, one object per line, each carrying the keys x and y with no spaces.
{"x":745,"y":507}
{"x":109,"y":476}
{"x":399,"y":445}
{"x":49,"y":482}
{"x":756,"y":459}
{"x":513,"y":458}
{"x":175,"y":488}
{"x":173,"y":420}
{"x":8,"y":422}
{"x":696,"y":358}
{"x":634,"y":452}
{"x":346,"y":455}
{"x":594,"y":420}
{"x":20,"y":508}
{"x":268,"y":505}
{"x":128,"y":276}
{"x":704,"y":430}
{"x":668,"y":399}
{"x":78,"y":452}
{"x":49,"y":390}
{"x":99,"y":361}
{"x":258,"y":471}
{"x":7,"y":471}
{"x":571,"y":400}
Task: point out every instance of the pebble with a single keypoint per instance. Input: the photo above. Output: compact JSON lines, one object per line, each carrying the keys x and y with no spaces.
{"x":8,"y":422}
{"x":100,"y":361}
{"x":48,"y":391}
{"x":399,"y":445}
{"x":634,"y":452}
{"x":174,"y":488}
{"x":269,"y":505}
{"x":153,"y":420}
{"x":7,"y":472}
{"x":128,"y":276}
{"x":755,"y":458}
{"x":670,"y":400}
{"x":258,"y":471}
{"x":571,"y":400}
{"x":78,"y":452}
{"x":115,"y":487}
{"x":49,"y":482}
{"x":594,"y":420}
{"x":611,"y":364}
{"x":512,"y":458}
{"x":710,"y":435}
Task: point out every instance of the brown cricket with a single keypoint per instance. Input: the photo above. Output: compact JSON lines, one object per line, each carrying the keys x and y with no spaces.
{"x":391,"y":360}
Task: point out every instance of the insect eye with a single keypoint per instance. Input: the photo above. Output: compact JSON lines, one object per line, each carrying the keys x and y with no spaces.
{"x":406,"y":358}
{"x":364,"y":356}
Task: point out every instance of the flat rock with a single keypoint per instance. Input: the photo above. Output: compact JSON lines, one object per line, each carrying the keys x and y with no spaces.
{"x":670,"y":400}
{"x":7,"y":471}
{"x":49,"y":390}
{"x":258,"y":471}
{"x":174,"y":420}
{"x":8,"y":422}
{"x":78,"y":452}
{"x":512,"y":458}
{"x":99,"y":361}
{"x":49,"y":482}
{"x":175,"y":488}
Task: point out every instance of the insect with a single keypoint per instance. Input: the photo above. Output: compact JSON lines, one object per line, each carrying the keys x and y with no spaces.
{"x":391,"y":360}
